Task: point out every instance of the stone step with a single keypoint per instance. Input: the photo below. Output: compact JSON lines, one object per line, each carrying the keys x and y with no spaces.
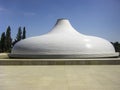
{"x":104,"y":61}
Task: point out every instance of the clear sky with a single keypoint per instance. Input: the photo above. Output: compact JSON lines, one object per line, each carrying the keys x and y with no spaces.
{"x":92,"y":17}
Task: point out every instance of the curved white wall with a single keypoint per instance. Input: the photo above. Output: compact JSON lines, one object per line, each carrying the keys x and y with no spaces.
{"x":63,"y":39}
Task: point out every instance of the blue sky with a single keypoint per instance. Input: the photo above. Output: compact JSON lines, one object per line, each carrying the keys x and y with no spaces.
{"x":92,"y":17}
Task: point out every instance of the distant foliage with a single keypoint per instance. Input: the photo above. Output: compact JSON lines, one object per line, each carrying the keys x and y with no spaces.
{"x":116,"y":46}
{"x":6,"y":42}
{"x":2,"y":42}
{"x":20,"y":35}
{"x":24,"y":33}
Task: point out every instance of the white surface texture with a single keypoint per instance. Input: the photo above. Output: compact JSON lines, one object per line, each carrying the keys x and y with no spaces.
{"x":63,"y":39}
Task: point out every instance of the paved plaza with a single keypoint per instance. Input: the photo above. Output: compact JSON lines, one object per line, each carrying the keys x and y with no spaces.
{"x":60,"y":77}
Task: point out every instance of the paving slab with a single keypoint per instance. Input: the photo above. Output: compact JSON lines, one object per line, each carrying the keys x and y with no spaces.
{"x":60,"y":77}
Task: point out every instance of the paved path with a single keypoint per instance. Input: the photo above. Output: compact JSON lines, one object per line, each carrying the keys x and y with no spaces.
{"x":85,"y":77}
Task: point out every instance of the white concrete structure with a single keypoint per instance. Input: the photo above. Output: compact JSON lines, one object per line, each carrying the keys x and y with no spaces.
{"x":63,"y":41}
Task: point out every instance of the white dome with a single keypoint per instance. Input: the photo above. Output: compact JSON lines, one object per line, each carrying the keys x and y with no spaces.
{"x":63,"y":41}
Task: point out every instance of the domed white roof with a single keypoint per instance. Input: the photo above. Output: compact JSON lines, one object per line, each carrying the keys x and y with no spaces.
{"x":63,"y":41}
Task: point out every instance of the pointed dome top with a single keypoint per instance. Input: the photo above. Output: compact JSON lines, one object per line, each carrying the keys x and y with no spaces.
{"x":63,"y":21}
{"x":63,"y":26}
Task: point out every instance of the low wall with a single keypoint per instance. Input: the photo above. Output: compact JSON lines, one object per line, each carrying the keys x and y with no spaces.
{"x":59,"y":62}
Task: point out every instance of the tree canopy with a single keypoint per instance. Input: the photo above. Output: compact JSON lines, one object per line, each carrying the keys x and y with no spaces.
{"x":116,"y":46}
{"x":24,"y":33}
{"x":2,"y":42}
{"x":6,"y":41}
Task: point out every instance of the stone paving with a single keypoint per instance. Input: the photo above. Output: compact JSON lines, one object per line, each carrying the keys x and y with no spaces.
{"x":60,"y":77}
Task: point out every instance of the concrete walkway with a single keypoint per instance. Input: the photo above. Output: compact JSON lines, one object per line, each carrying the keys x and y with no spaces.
{"x":80,"y":77}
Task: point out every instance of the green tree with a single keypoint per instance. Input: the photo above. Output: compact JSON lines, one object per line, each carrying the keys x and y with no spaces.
{"x":117,"y":46}
{"x":19,"y":34}
{"x":24,"y":33}
{"x":8,"y":39}
{"x":0,"y":44}
{"x":3,"y":42}
{"x":18,"y":37}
